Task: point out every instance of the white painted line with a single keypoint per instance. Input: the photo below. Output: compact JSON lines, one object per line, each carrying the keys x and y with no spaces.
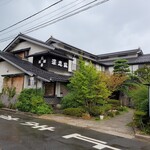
{"x":8,"y":118}
{"x":48,"y":128}
{"x":94,"y":140}
{"x":78,"y":136}
{"x":28,"y":123}
{"x":99,"y":144}
{"x":36,"y":125}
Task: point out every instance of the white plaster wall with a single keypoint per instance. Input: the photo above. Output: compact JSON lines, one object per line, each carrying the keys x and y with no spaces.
{"x":57,"y":89}
{"x":26,"y":86}
{"x":72,"y":65}
{"x":69,"y":66}
{"x":98,"y":67}
{"x":111,"y":69}
{"x":135,"y":67}
{"x":34,"y":48}
{"x":87,"y":62}
{"x":1,"y":83}
{"x":6,"y":69}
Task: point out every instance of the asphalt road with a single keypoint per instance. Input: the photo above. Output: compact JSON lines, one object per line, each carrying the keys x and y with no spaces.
{"x":19,"y":132}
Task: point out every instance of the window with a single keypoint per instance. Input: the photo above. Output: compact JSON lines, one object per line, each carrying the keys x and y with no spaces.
{"x":29,"y":81}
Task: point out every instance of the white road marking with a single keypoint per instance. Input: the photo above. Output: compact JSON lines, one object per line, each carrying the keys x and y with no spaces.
{"x":8,"y":118}
{"x":36,"y":125}
{"x":99,"y":144}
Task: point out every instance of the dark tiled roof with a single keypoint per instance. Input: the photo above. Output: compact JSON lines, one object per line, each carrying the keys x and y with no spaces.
{"x":121,"y":53}
{"x":31,"y":70}
{"x":21,"y":50}
{"x":80,"y":51}
{"x":143,"y":59}
{"x":137,"y":60}
{"x":23,"y":37}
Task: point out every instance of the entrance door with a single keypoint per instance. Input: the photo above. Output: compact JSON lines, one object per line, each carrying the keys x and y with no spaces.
{"x":50,"y":89}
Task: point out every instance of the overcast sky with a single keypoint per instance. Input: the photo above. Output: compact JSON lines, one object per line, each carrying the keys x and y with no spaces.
{"x":116,"y":25}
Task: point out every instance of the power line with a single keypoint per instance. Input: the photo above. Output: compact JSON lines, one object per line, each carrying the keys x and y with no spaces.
{"x":62,"y":17}
{"x":30,"y":16}
{"x":47,"y":15}
{"x":65,"y":16}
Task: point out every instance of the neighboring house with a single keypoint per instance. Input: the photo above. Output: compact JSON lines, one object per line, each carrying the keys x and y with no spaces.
{"x":136,"y":59}
{"x":30,"y":63}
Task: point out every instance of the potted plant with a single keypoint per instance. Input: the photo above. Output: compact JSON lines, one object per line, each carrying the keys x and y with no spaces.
{"x":101,"y":114}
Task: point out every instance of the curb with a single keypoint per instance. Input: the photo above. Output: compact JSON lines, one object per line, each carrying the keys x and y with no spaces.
{"x":19,"y":112}
{"x":142,"y":137}
{"x":7,"y":109}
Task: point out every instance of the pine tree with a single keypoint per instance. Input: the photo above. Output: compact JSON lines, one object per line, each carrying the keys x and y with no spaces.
{"x":121,"y":67}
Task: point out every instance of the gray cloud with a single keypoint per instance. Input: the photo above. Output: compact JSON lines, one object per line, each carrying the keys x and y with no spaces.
{"x":114,"y":26}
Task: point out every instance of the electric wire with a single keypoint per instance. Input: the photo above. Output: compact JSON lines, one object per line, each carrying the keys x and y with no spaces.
{"x":30,"y":16}
{"x":46,"y":15}
{"x":62,"y":17}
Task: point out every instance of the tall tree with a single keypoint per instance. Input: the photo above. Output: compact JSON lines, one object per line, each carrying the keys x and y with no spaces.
{"x":87,"y":86}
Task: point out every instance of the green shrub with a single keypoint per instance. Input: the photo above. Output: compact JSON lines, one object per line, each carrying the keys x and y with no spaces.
{"x":11,"y":92}
{"x":69,"y":101}
{"x":147,"y":128}
{"x":1,"y":105}
{"x":117,"y":113}
{"x":31,"y":100}
{"x":42,"y":109}
{"x":114,"y":102}
{"x":138,"y":119}
{"x":111,"y":114}
{"x":107,"y":107}
{"x":139,"y":113}
{"x":24,"y":100}
{"x":144,"y":106}
{"x":95,"y":111}
{"x":74,"y":111}
{"x":99,"y":110}
{"x":139,"y":95}
{"x":122,"y":108}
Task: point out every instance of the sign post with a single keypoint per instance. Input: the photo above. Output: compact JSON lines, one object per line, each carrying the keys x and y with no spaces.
{"x":148,"y":96}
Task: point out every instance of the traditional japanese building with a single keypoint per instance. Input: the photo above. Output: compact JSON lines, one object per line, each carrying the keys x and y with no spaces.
{"x":30,"y":63}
